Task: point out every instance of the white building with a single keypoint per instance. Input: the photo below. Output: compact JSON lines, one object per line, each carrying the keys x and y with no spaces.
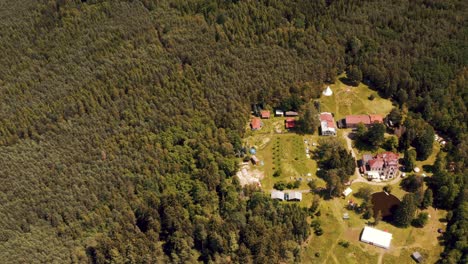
{"x":376,"y":237}
{"x":347,"y":191}
{"x":295,"y":196}
{"x":327,"y":124}
{"x":277,"y":195}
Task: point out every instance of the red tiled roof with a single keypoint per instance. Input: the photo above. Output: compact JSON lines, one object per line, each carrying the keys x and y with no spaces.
{"x":329,"y":118}
{"x":265,"y":114}
{"x":356,"y":119}
{"x":389,"y":156}
{"x":290,"y":123}
{"x":376,"y":163}
{"x":256,"y":123}
{"x":376,"y":119}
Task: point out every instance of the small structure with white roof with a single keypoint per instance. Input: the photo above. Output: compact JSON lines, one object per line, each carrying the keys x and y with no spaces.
{"x":347,"y":191}
{"x":278,"y":195}
{"x":294,"y":196}
{"x":376,"y":237}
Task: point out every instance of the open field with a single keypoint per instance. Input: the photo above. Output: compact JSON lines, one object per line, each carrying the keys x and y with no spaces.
{"x":283,"y":151}
{"x":347,"y":100}
{"x":404,"y":242}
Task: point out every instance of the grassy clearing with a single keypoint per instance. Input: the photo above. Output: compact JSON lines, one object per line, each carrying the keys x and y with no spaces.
{"x":347,"y":100}
{"x":404,"y":242}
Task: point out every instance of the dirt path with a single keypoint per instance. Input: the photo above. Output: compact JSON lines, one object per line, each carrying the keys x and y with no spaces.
{"x":379,"y":261}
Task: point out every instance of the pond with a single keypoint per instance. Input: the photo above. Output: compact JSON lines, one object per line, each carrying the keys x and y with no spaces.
{"x":386,"y":203}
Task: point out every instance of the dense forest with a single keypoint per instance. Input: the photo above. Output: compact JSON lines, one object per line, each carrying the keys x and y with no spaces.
{"x":120,"y":120}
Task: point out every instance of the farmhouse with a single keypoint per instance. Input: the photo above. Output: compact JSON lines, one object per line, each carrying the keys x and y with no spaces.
{"x":265,"y":114}
{"x":385,"y":164}
{"x":376,"y":237}
{"x":294,"y":196}
{"x":290,"y":123}
{"x":327,"y":124}
{"x":256,"y":123}
{"x":352,"y":121}
{"x":291,"y":113}
{"x":277,"y":195}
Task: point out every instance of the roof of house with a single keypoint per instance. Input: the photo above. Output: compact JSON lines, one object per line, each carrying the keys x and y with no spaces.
{"x":256,"y":123}
{"x":388,"y":156}
{"x":417,"y":256}
{"x":376,"y":119}
{"x":295,"y":196}
{"x":279,"y":112}
{"x":347,"y":191}
{"x":356,"y":119}
{"x":376,"y":237}
{"x":253,"y":157}
{"x":277,"y":195}
{"x":365,"y":119}
{"x":376,"y":163}
{"x":290,"y":123}
{"x":328,"y":118}
{"x":291,"y":113}
{"x":265,"y":114}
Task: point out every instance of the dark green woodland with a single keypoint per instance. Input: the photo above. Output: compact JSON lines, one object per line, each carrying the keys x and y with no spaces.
{"x":120,"y":120}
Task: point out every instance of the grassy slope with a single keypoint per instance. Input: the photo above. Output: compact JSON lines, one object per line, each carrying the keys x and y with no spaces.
{"x":347,"y":100}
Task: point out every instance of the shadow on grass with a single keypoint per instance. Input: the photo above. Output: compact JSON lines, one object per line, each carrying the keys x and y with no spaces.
{"x":428,"y":168}
{"x":348,"y":82}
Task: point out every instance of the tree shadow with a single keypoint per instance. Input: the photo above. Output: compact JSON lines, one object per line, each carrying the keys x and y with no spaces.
{"x":428,"y":168}
{"x":347,"y":81}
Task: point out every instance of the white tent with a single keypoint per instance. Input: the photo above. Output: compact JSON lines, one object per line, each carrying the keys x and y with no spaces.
{"x":277,"y":195}
{"x":328,"y":91}
{"x":347,"y":191}
{"x":376,"y":237}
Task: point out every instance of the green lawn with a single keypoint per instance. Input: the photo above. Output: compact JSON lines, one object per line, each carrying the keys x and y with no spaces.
{"x":347,"y":100}
{"x":404,"y":242}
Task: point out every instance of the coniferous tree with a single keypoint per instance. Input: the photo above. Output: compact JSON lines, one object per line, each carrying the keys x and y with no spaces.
{"x":406,"y":210}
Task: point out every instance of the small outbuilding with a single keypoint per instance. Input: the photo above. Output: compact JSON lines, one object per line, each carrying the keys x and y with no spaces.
{"x":279,"y":112}
{"x":255,"y":123}
{"x":254,"y":159}
{"x":376,"y":237}
{"x":347,"y":191}
{"x":295,"y":196}
{"x":290,"y":123}
{"x":265,"y":114}
{"x":291,"y":113}
{"x":417,"y":257}
{"x":277,"y":195}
